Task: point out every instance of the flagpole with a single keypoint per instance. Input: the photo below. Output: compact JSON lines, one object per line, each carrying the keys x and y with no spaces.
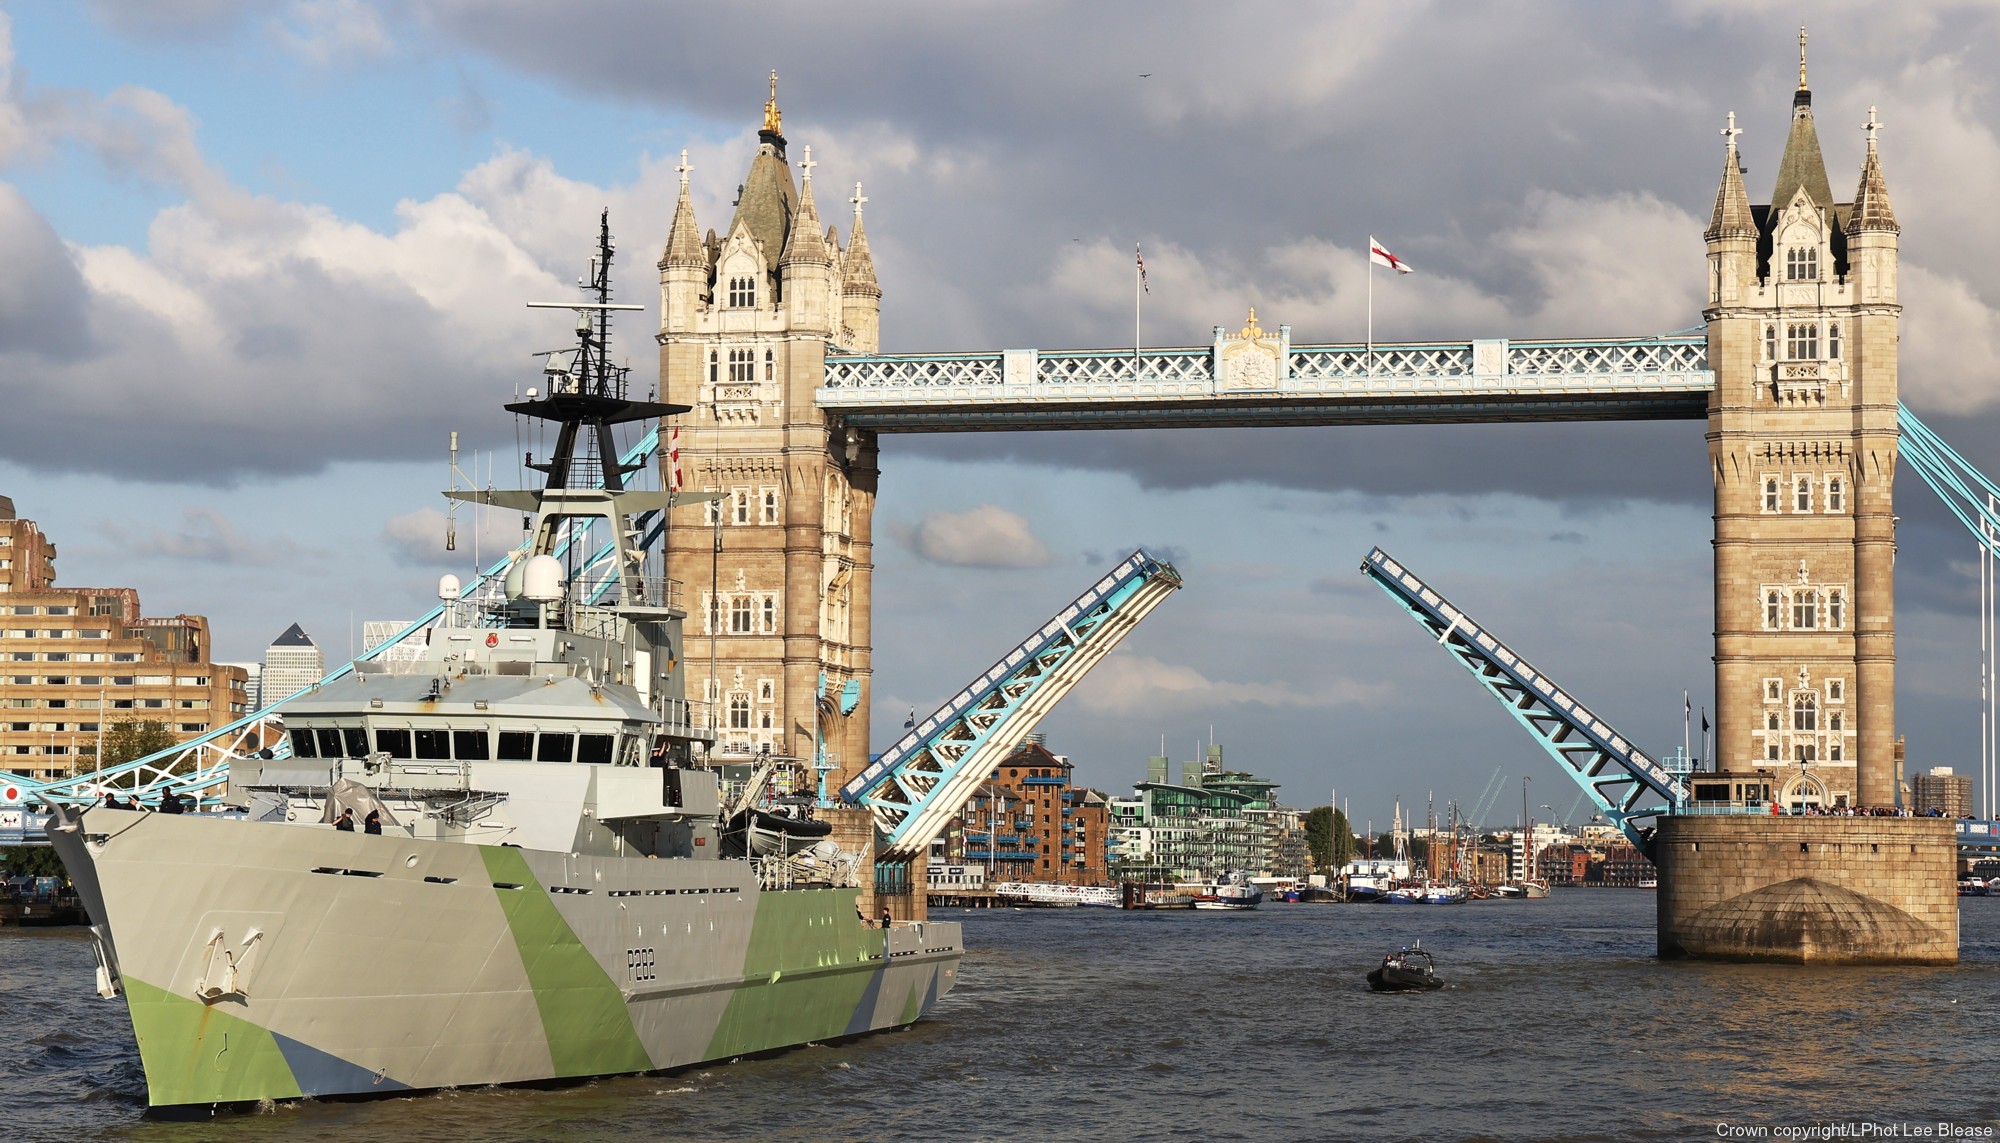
{"x":1370,"y":364}
{"x":1138,"y":297}
{"x":1687,"y":739}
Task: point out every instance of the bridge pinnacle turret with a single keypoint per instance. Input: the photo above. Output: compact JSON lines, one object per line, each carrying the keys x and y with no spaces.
{"x":1871,"y":200}
{"x":684,"y":246}
{"x":1732,"y":217}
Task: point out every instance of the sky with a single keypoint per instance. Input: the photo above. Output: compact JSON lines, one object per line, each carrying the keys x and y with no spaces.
{"x":262,"y":259}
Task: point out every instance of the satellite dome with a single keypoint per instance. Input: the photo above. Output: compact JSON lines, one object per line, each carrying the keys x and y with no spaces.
{"x":541,"y":579}
{"x":512,"y":585}
{"x":448,"y":587}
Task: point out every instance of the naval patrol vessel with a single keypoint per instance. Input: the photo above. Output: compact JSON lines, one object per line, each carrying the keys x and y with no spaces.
{"x":548,"y":896}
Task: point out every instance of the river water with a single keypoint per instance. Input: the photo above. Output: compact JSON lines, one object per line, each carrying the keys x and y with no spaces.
{"x":1087,"y":1024}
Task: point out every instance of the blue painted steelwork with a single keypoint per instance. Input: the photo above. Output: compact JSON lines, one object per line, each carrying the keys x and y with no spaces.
{"x":1628,"y":788}
{"x":1979,"y":836}
{"x":198,"y":767}
{"x":918,"y":783}
{"x":1664,"y":377}
{"x":1965,"y":490}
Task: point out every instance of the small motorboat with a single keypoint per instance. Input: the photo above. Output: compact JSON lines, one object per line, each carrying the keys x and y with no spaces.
{"x":1408,"y":969}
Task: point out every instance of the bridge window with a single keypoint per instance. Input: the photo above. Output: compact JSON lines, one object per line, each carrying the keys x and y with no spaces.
{"x":302,"y":743}
{"x":1802,"y":493}
{"x":433,"y":745}
{"x":742,"y":292}
{"x":1805,"y":712}
{"x":470,"y":746}
{"x":1836,"y":494}
{"x":1802,"y":341}
{"x":1771,"y":494}
{"x":1836,"y":608}
{"x":329,"y":743}
{"x":594,"y":749}
{"x":555,"y":747}
{"x":517,"y":746}
{"x":739,"y":615}
{"x":394,"y":743}
{"x":1802,"y":264}
{"x":1773,"y":611}
{"x":739,"y":711}
{"x":1833,"y":341}
{"x":356,"y":739}
{"x":1805,"y":609}
{"x":742,"y":366}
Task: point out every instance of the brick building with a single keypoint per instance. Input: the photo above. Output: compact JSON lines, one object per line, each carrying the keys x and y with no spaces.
{"x":1047,"y":829}
{"x":74,"y":660}
{"x":1943,"y":792}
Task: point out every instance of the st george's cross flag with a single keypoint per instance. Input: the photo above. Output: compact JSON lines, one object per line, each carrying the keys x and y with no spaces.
{"x":1381,"y":257}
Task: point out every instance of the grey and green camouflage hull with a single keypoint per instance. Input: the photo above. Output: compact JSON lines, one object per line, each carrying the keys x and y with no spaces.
{"x":264,"y":961}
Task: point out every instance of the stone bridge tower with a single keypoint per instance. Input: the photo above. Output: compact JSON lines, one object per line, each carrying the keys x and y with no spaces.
{"x":1802,"y":439}
{"x":778,"y":572}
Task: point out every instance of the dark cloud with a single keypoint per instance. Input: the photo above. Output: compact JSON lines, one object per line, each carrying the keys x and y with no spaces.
{"x":44,"y":311}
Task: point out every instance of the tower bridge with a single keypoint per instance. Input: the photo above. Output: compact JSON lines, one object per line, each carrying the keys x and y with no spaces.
{"x":770,"y":331}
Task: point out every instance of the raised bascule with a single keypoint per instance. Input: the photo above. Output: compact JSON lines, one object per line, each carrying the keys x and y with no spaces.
{"x":770,"y":330}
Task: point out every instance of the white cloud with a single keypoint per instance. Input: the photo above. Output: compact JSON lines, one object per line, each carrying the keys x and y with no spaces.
{"x":1134,"y":686}
{"x":204,"y":536}
{"x":987,"y":536}
{"x":332,"y":31}
{"x":480,"y":536}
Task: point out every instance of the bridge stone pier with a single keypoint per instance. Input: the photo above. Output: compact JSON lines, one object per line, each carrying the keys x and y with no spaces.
{"x":1802,"y":433}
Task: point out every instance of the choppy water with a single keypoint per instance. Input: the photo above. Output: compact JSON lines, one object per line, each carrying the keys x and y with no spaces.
{"x":1099,"y":1025}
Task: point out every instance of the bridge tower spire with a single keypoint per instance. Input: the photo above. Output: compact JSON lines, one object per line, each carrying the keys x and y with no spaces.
{"x":1802,"y":327}
{"x":778,"y":571}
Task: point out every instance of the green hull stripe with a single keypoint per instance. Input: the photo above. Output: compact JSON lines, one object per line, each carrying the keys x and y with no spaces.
{"x":795,"y":930}
{"x":197,"y":1053}
{"x":584,"y":1017}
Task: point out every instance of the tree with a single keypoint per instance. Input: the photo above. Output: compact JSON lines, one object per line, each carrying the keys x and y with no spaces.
{"x":131,"y":738}
{"x":32,"y":861}
{"x":1328,"y":836}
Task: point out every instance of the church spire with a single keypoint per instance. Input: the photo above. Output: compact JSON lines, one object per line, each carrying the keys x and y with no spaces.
{"x":1731,"y":218}
{"x":683,"y":240}
{"x":1802,"y":165}
{"x":1871,"y":200}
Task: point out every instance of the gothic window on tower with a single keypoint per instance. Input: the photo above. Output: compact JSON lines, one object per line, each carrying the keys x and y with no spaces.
{"x":768,"y":606}
{"x":742,"y":366}
{"x":1771,"y":494}
{"x":739,"y":711}
{"x":1802,"y":264}
{"x":767,"y":691}
{"x":1833,"y":341}
{"x":1805,"y":609}
{"x":770,"y":366}
{"x":742,"y":293}
{"x":1771,"y":342}
{"x":770,"y":515}
{"x":1836,"y":690}
{"x":740,"y":615}
{"x":1802,"y":341}
{"x":1805,"y":712}
{"x":1836,"y":608}
{"x":740,"y":506}
{"x":1774,"y":614}
{"x":713,"y":367}
{"x":1771,"y":720}
{"x":1802,"y":493}
{"x":1836,"y":494}
{"x":1772,"y":690}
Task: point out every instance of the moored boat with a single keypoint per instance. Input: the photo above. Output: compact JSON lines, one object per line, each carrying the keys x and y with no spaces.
{"x":1230,"y":891}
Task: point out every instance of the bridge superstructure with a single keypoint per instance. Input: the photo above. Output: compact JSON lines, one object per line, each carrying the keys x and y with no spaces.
{"x":770,"y":330}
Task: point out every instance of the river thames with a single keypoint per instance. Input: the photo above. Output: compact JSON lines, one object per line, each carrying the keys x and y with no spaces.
{"x":1086,"y":1024}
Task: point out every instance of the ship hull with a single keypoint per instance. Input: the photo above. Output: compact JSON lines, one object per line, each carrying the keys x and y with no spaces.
{"x":267,"y":962}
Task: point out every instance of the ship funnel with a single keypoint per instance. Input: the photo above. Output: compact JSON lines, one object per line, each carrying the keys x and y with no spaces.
{"x":541,"y":579}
